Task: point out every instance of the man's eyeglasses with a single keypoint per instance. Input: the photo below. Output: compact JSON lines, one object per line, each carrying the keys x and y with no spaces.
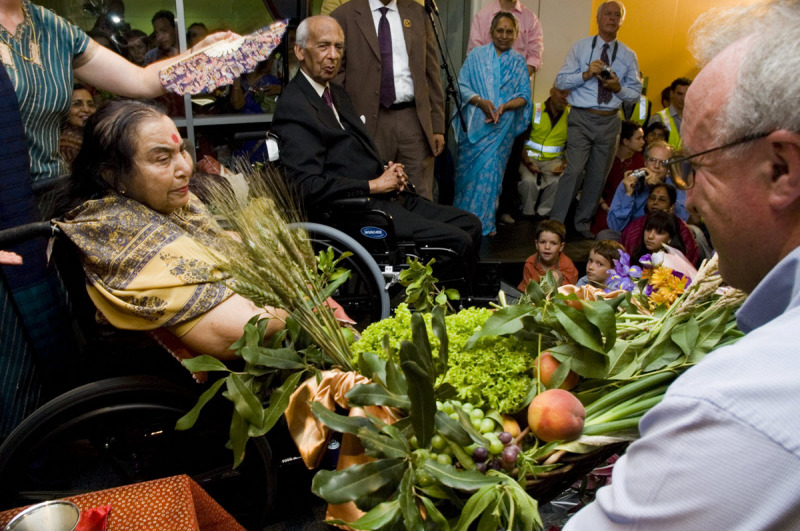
{"x":683,"y":170}
{"x":657,"y":162}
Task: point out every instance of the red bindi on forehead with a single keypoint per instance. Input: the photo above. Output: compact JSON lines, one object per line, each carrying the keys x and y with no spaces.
{"x":176,"y":138}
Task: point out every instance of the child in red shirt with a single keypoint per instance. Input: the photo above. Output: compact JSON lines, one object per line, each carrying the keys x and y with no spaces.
{"x":550,"y":236}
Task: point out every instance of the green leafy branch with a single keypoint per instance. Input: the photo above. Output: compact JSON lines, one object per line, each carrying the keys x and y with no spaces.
{"x":421,"y":288}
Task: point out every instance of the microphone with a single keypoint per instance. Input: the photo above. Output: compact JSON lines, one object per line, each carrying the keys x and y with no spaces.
{"x":430,"y":7}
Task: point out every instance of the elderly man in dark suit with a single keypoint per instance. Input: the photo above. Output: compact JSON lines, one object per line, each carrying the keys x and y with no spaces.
{"x":328,"y":153}
{"x":391,"y":72}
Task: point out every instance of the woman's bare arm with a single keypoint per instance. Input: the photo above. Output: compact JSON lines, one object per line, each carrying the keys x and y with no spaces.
{"x":221,"y":326}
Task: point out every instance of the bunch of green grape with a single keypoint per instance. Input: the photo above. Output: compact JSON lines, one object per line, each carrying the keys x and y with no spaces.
{"x":498,"y":451}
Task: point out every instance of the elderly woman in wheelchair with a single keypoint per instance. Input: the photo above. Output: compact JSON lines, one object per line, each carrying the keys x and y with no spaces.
{"x":144,"y":238}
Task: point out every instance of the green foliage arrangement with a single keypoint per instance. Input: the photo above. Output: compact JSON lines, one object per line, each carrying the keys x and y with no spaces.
{"x":495,"y":372}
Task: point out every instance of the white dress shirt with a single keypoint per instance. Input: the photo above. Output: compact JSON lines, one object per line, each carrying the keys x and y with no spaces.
{"x":403,"y":82}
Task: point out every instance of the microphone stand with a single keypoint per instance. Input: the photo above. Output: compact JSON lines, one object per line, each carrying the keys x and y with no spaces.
{"x":451,"y":89}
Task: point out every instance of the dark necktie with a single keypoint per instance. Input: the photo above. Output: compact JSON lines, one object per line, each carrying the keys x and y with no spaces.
{"x":603,"y":94}
{"x":387,"y":71}
{"x":326,"y":97}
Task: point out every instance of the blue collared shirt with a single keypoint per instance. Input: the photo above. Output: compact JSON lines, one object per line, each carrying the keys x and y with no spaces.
{"x":584,"y":93}
{"x":722,"y":450}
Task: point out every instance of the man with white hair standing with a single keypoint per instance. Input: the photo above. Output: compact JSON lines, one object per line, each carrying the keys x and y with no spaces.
{"x":722,"y":450}
{"x":601,"y":73}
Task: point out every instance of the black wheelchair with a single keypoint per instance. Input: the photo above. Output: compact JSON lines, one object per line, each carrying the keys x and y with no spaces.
{"x":356,"y":224}
{"x":117,"y":425}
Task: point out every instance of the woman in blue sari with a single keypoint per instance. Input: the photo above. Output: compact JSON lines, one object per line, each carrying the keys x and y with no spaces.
{"x":496,"y":104}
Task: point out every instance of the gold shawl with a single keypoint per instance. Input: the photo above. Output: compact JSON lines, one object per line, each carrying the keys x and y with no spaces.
{"x":147,"y":270}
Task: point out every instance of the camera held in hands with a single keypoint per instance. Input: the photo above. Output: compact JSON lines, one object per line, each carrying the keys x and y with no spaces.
{"x":640,"y":174}
{"x":606,"y":72}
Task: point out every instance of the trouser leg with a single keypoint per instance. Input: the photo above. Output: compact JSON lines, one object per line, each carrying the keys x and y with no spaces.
{"x":400,"y":138}
{"x":580,"y":135}
{"x":601,"y":157}
{"x":528,"y":189}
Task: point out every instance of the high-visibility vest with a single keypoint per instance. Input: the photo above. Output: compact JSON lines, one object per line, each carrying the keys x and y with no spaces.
{"x":641,"y":111}
{"x":674,"y":139}
{"x":546,"y":141}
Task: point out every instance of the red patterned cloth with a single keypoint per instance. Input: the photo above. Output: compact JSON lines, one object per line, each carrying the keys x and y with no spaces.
{"x":176,"y":503}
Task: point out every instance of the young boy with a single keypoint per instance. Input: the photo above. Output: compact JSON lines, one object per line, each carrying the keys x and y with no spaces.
{"x":601,"y":259}
{"x":550,"y":236}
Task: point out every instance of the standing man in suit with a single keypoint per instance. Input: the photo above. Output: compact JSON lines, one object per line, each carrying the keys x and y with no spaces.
{"x":391,"y":73}
{"x":328,"y":153}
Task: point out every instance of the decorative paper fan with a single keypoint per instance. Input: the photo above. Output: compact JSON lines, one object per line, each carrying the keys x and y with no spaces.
{"x":221,"y":63}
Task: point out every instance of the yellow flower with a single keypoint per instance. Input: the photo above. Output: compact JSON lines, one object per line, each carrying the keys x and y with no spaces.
{"x":666,"y":286}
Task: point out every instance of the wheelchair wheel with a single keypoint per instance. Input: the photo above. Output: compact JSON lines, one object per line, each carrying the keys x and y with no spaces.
{"x":364,"y":295}
{"x":120,"y":431}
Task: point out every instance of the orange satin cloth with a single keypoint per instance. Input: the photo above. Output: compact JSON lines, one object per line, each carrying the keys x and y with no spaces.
{"x":176,"y":503}
{"x":311,"y":436}
{"x":588,"y":293}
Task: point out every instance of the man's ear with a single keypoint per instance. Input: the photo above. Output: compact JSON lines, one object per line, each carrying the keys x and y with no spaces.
{"x":299,"y":52}
{"x":785,"y":161}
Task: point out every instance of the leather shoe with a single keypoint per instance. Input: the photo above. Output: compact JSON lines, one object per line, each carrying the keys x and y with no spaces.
{"x":506,"y":219}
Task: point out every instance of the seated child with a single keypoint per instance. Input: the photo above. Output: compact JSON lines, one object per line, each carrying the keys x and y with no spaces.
{"x":601,"y":259}
{"x":550,"y":236}
{"x":659,"y":228}
{"x":662,"y":197}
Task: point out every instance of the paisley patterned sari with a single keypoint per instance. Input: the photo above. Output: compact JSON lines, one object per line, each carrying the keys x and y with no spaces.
{"x":147,"y":270}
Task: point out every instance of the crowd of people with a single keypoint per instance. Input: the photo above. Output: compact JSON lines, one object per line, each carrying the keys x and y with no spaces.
{"x":368,"y":126}
{"x":719,"y":451}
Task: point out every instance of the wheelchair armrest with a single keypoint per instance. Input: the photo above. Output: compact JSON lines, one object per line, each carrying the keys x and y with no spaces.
{"x":361,"y":203}
{"x":23,"y":233}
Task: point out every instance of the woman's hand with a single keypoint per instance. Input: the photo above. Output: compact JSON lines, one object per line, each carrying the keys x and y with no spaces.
{"x":486,"y":106}
{"x":214,"y":38}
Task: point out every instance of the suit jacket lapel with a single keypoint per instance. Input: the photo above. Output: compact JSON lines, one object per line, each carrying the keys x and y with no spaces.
{"x":409,"y":31}
{"x":366,"y":25}
{"x":352,"y":122}
{"x":324,"y":112}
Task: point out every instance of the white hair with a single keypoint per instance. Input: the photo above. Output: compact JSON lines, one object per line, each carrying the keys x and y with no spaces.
{"x":301,"y":34}
{"x":621,"y":9}
{"x":764,"y":98}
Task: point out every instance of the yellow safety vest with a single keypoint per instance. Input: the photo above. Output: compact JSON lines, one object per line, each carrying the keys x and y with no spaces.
{"x":674,"y":135}
{"x":639,"y":114}
{"x":546,"y":141}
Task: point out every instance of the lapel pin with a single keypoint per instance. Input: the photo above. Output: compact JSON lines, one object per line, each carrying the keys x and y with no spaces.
{"x":406,"y":23}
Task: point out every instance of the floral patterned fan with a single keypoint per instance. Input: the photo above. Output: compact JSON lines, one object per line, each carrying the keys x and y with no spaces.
{"x":221,"y":63}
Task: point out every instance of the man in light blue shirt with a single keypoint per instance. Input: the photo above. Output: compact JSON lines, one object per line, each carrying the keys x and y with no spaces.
{"x":601,"y":73}
{"x":722,"y":450}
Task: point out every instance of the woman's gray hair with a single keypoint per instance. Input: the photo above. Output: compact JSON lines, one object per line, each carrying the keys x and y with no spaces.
{"x":764,"y":98}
